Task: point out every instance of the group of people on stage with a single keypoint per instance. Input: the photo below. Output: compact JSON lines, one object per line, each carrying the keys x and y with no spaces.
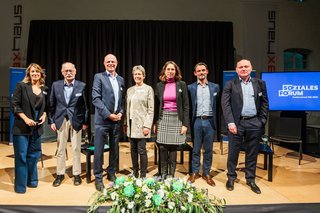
{"x":169,"y":112}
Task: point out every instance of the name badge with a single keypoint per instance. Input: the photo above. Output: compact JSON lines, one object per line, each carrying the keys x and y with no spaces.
{"x":180,"y":90}
{"x":214,"y":94}
{"x":260,"y":93}
{"x":44,"y":92}
{"x":78,"y":94}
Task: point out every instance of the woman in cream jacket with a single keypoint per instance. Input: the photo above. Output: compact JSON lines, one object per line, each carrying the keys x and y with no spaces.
{"x":139,"y":117}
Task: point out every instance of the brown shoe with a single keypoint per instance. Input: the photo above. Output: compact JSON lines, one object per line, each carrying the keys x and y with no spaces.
{"x":193,"y":177}
{"x":208,"y":179}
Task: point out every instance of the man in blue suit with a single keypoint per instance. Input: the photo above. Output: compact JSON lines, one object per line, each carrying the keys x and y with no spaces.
{"x":203,"y":95}
{"x":68,"y":112}
{"x":108,"y":99}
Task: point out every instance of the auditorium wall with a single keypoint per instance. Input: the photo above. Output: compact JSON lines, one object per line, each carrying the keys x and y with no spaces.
{"x":293,"y":25}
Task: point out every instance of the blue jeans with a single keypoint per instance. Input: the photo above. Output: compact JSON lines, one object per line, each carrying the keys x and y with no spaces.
{"x":27,"y":151}
{"x":203,"y":136}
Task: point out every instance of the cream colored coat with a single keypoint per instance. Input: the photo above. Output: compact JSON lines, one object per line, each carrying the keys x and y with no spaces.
{"x":140,"y":110}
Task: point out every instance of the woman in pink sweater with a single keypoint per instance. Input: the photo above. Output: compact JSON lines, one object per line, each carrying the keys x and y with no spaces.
{"x":171,"y":115}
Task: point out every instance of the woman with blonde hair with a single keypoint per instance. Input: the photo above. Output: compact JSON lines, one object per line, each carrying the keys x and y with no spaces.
{"x":28,"y":106}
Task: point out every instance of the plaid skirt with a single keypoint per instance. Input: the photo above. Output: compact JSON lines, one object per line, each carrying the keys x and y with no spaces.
{"x":169,"y":127}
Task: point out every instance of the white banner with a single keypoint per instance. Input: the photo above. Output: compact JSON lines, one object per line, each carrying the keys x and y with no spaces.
{"x":17,"y":34}
{"x":261,"y":34}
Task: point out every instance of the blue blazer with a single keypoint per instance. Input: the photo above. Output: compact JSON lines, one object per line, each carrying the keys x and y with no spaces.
{"x":104,"y":100}
{"x":77,"y":108}
{"x":214,"y":94}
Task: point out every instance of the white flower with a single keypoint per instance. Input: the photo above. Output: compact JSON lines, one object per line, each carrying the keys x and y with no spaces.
{"x":183,"y":208}
{"x":126,"y":183}
{"x":105,"y":192}
{"x":171,"y":205}
{"x":113,"y":195}
{"x":190,"y":197}
{"x":149,"y":195}
{"x":168,"y":182}
{"x":185,"y":180}
{"x":160,"y":192}
{"x":130,"y":205}
{"x":139,"y":182}
{"x":148,"y":202}
{"x":123,"y":210}
{"x":145,"y":188}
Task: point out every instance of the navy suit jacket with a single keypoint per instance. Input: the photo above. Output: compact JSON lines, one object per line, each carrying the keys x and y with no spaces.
{"x":77,"y":108}
{"x":232,"y":100}
{"x":23,"y":101}
{"x":104,"y":100}
{"x":214,"y":90}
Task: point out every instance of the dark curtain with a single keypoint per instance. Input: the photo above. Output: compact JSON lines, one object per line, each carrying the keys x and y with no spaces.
{"x":149,"y":43}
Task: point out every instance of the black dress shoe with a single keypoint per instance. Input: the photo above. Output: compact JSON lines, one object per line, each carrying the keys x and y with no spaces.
{"x":143,"y":175}
{"x":230,"y":185}
{"x":77,"y":180}
{"x":254,"y":187}
{"x":99,"y":186}
{"x":111,"y":177}
{"x":58,"y":180}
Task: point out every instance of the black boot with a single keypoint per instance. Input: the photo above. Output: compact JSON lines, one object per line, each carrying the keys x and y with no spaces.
{"x":135,"y":173}
{"x":164,"y":170}
{"x":172,"y":169}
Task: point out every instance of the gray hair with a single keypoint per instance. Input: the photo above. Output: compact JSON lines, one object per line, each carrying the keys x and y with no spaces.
{"x":139,"y":67}
{"x":65,"y":63}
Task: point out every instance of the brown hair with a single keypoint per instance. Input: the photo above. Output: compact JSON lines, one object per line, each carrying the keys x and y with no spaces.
{"x":200,"y":64}
{"x":177,"y":77}
{"x":27,"y":77}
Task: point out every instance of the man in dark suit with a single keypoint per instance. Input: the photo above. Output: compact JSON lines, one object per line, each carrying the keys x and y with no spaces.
{"x":203,"y":95}
{"x":245,"y":108}
{"x":108,"y":99}
{"x":68,"y":112}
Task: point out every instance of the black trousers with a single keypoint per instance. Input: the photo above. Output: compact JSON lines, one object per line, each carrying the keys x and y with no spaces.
{"x":168,"y":156}
{"x":248,"y":139}
{"x":138,"y":148}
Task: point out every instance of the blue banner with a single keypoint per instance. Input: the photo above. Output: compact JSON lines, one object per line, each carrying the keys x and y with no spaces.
{"x":230,"y":74}
{"x":16,"y":75}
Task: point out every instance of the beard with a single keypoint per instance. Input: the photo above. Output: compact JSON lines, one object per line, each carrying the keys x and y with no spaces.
{"x":201,"y":77}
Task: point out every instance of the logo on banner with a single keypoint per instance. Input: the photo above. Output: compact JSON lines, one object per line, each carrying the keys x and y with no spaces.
{"x":271,"y":40}
{"x":296,"y":90}
{"x":17,"y":30}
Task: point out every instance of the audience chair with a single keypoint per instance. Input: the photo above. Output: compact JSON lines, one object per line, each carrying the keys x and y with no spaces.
{"x":265,"y":149}
{"x":286,"y":130}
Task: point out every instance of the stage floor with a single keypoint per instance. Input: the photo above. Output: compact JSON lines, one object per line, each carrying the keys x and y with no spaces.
{"x":291,"y":183}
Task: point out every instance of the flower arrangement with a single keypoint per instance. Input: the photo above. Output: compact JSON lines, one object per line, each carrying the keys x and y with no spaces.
{"x":128,"y":194}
